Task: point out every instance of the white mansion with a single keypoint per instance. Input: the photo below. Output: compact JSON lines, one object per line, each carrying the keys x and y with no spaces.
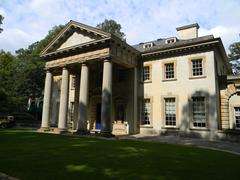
{"x":95,"y":82}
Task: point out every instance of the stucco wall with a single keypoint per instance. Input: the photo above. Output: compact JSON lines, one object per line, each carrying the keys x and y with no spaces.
{"x":182,"y":88}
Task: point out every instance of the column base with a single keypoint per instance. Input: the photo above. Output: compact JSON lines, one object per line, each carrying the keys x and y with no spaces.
{"x":82,"y":132}
{"x":60,"y":130}
{"x":43,"y":129}
{"x":106,"y":134}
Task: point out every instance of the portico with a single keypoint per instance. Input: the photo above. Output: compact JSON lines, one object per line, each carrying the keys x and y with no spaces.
{"x":95,"y":59}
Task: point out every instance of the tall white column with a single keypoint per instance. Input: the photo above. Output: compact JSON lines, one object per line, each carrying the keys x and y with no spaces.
{"x":76,"y":100}
{"x":135,"y":100}
{"x":83,"y":99}
{"x":47,"y":100}
{"x":63,"y":109}
{"x":106,"y":112}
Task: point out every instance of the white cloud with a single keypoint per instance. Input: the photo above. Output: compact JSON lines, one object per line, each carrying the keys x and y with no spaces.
{"x":141,"y":20}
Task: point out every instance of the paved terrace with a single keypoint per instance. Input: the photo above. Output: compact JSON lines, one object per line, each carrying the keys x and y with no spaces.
{"x":226,"y":146}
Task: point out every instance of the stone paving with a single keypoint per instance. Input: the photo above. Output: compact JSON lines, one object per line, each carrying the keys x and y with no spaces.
{"x":226,"y":146}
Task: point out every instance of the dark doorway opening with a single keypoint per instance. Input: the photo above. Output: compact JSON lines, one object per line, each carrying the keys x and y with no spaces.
{"x":98,"y":116}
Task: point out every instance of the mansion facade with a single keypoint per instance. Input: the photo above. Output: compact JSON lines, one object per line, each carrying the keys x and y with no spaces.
{"x":95,"y":82}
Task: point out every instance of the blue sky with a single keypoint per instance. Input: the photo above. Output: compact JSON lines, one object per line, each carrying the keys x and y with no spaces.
{"x":27,"y":21}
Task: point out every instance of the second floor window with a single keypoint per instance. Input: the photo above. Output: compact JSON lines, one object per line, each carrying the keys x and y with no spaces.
{"x":197,"y":67}
{"x":169,"y":71}
{"x":146,"y":73}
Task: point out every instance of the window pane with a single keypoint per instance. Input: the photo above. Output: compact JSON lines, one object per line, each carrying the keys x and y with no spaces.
{"x":237,"y":116}
{"x":199,"y":114}
{"x":169,"y":71}
{"x":146,"y":112}
{"x":170,"y":112}
{"x":73,"y":82}
{"x":146,"y":73}
{"x":197,"y":69}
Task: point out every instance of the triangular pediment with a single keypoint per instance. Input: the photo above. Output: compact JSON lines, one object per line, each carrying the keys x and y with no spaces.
{"x":76,"y":39}
{"x":74,"y":34}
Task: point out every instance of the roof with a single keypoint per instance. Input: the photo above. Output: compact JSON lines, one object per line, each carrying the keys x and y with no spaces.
{"x":188,"y":26}
{"x":160,"y":44}
{"x":51,"y":48}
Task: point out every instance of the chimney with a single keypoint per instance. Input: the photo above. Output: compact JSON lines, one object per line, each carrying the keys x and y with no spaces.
{"x":188,"y":31}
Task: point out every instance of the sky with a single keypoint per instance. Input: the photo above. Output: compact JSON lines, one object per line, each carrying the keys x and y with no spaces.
{"x":28,"y":21}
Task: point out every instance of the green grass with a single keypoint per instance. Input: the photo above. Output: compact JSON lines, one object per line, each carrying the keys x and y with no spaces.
{"x":29,"y":155}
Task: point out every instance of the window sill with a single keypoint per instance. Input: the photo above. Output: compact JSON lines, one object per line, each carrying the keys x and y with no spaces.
{"x":197,"y":77}
{"x":170,"y":127}
{"x":146,"y":126}
{"x":166,"y":80}
{"x":199,"y":129}
{"x":148,"y":81}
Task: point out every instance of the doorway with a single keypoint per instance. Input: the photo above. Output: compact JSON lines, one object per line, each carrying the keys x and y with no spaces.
{"x":98,"y":116}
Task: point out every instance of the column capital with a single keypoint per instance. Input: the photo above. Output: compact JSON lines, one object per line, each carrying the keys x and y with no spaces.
{"x":63,"y":66}
{"x":84,"y":63}
{"x":47,"y":69}
{"x":107,"y":59}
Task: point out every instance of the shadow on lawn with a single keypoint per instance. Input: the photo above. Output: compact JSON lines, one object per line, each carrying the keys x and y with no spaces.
{"x":66,"y":157}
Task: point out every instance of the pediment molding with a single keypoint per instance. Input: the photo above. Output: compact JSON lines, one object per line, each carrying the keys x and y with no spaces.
{"x":74,"y":34}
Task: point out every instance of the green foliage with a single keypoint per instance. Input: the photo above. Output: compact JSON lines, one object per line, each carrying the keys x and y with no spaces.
{"x":113,"y":27}
{"x":234,"y":57}
{"x":1,"y":19}
{"x":23,"y":75}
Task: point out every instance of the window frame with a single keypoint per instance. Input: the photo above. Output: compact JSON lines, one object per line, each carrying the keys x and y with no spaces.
{"x":147,"y":45}
{"x":190,"y":62}
{"x":174,"y":62}
{"x":232,"y":116}
{"x":193,"y":121}
{"x":150,"y":73}
{"x":143,"y":112}
{"x":163,"y":113}
{"x":73,"y":82}
{"x":206,"y":97}
{"x":235,"y":120}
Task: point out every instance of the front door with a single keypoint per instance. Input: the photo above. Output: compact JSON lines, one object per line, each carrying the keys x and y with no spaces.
{"x":98,"y":116}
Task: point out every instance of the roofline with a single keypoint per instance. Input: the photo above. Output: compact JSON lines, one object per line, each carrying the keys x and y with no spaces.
{"x":193,"y":44}
{"x":216,"y":41}
{"x":71,"y":22}
{"x":188,"y":26}
{"x":76,"y":46}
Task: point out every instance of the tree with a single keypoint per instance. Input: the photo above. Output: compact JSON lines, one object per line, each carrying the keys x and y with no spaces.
{"x":1,"y":19}
{"x":113,"y":27}
{"x":8,"y":91}
{"x":234,"y":57}
{"x":31,"y":66}
{"x":22,"y":75}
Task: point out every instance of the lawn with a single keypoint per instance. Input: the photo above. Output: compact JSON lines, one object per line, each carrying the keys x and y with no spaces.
{"x":30,"y":155}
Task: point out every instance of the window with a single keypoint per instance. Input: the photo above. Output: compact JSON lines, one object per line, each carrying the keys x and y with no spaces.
{"x":237,"y":116}
{"x":72,"y":111}
{"x":171,"y":40}
{"x":146,"y":73}
{"x":197,"y":67}
{"x":199,"y":112}
{"x":146,"y":112}
{"x":169,"y":70}
{"x":147,"y":45}
{"x":170,"y":112}
{"x":73,"y":83}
